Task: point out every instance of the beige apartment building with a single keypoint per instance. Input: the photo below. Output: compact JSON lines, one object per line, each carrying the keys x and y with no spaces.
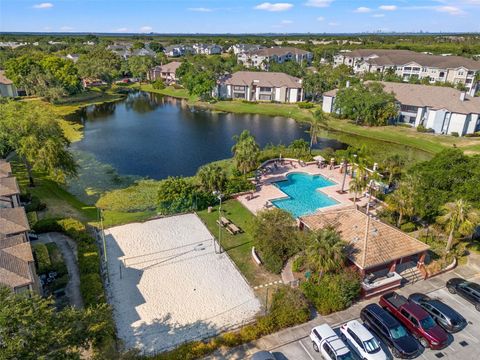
{"x":408,"y":64}
{"x":260,"y":58}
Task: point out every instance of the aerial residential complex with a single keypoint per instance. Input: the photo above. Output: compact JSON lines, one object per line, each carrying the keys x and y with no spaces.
{"x":443,"y":109}
{"x":17,"y":267}
{"x":260,"y":86}
{"x":409,"y":64}
{"x":261,"y":57}
{"x":165,"y":72}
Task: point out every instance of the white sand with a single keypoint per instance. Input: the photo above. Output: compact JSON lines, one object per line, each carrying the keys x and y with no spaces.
{"x":166,"y":288}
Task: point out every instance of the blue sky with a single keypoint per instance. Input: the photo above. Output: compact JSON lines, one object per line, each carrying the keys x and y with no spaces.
{"x":240,"y":16}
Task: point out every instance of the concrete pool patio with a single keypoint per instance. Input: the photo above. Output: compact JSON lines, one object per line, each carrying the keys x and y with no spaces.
{"x":267,"y":191}
{"x":168,"y":286}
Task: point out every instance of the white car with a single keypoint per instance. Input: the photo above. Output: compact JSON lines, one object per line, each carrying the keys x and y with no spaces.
{"x":362,"y":341}
{"x":325,"y":341}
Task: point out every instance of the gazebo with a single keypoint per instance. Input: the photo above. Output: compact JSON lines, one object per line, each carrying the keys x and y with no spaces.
{"x":381,"y":253}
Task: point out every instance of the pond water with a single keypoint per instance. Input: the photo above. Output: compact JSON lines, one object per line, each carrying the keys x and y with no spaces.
{"x":157,"y":136}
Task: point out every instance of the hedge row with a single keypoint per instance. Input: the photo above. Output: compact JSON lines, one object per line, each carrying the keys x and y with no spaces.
{"x":91,"y":285}
{"x":289,"y":307}
{"x":43,"y":260}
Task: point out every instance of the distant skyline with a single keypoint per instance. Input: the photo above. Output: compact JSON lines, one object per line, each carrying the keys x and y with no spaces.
{"x":239,"y":16}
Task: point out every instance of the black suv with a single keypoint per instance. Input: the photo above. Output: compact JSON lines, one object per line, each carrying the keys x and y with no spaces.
{"x":468,"y":290}
{"x":401,"y":343}
{"x":443,"y":314}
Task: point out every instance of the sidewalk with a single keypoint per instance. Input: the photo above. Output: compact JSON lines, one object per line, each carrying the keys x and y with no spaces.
{"x":286,"y":336}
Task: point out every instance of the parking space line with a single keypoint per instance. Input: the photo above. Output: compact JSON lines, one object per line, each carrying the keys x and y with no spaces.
{"x":305,"y":348}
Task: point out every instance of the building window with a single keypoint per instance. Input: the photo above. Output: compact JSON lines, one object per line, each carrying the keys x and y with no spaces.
{"x":265,"y":89}
{"x":460,"y":73}
{"x":407,"y":68}
{"x":442,"y":74}
{"x":265,"y":97}
{"x":239,"y":88}
{"x":239,"y":96}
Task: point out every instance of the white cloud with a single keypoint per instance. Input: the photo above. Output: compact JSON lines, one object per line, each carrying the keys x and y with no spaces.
{"x":146,"y":28}
{"x":388,"y":7}
{"x":333,"y":23}
{"x":452,"y":10}
{"x":320,"y":18}
{"x":273,"y":6}
{"x":287,"y":22}
{"x":43,"y":6}
{"x":123,"y":29}
{"x":378,"y":15}
{"x":319,"y":3}
{"x":200,"y":9}
{"x":362,"y":10}
{"x":66,"y":28}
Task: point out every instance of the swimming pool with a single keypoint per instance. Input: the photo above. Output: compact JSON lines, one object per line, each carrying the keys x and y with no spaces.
{"x":303,"y":196}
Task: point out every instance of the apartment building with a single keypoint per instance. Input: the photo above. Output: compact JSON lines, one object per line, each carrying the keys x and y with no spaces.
{"x":409,"y":64}
{"x":260,"y":58}
{"x":165,"y":72}
{"x":206,"y":49}
{"x":443,"y":109}
{"x":260,"y":86}
{"x":178,"y":50}
{"x":17,"y":266}
{"x":7,"y":87}
{"x":241,"y":48}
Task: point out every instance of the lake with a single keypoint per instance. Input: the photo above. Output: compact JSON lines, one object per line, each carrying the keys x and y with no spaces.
{"x":156,"y":136}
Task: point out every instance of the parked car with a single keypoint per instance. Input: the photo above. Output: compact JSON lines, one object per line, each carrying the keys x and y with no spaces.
{"x":386,"y":327}
{"x":416,"y":320}
{"x":263,"y":355}
{"x":470,"y":291}
{"x":330,"y":346}
{"x":443,"y":314}
{"x":32,"y":235}
{"x":362,"y":341}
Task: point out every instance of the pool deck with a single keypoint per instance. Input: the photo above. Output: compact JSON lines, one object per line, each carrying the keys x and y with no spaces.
{"x":267,"y":191}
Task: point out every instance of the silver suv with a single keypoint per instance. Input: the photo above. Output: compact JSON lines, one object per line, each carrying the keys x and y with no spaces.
{"x":330,"y":346}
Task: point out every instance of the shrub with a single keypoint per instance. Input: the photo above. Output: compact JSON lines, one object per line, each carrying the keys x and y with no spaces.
{"x":40,"y":252}
{"x":238,"y":184}
{"x":475,"y":134}
{"x":289,"y":307}
{"x":158,"y":85}
{"x":454,"y":133}
{"x":305,"y":105}
{"x":298,"y":263}
{"x":408,"y":227}
{"x":35,"y":205}
{"x":56,"y":259}
{"x":423,"y":129}
{"x":332,"y":292}
{"x":60,"y":282}
{"x":47,"y":225}
{"x":91,"y":287}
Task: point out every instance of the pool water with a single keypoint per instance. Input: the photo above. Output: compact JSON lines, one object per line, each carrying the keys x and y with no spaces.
{"x":303,"y":195}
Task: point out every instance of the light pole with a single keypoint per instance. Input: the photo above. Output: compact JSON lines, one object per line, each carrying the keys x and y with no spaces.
{"x":219,"y":196}
{"x":345,"y":167}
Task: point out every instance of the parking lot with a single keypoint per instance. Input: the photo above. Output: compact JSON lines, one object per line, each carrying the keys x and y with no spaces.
{"x":464,"y":345}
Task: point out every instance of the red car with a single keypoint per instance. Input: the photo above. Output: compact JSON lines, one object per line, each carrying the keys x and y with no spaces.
{"x":416,"y":320}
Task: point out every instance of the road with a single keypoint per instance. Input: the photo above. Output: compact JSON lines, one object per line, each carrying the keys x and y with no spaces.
{"x":465,"y":345}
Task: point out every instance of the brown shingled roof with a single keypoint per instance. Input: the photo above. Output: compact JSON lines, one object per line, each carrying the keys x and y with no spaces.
{"x":13,"y":221}
{"x":8,"y":186}
{"x":5,"y":168}
{"x":15,"y":256}
{"x":262,"y":78}
{"x":171,"y":67}
{"x":403,"y":57}
{"x":385,"y":243}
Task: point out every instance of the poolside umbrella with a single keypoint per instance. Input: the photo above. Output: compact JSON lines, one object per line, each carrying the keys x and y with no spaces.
{"x":319,"y":158}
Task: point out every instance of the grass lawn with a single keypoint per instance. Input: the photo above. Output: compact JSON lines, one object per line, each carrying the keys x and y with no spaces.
{"x":169,"y":91}
{"x":60,"y":203}
{"x":238,"y":246}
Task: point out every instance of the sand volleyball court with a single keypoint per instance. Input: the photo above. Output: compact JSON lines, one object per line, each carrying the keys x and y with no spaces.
{"x":168,"y":286}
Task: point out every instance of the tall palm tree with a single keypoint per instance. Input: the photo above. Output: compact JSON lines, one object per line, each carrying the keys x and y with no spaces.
{"x":393,"y":164}
{"x":326,"y":251}
{"x":357,"y":185}
{"x":458,"y":216}
{"x":212,"y":177}
{"x":245,"y":152}
{"x":401,"y":202}
{"x":316,"y":123}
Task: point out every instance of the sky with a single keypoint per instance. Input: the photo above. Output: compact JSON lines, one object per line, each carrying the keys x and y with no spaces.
{"x":240,"y":16}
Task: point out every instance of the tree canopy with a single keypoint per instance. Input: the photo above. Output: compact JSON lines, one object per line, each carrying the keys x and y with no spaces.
{"x":99,"y":63}
{"x":367,"y":104}
{"x":31,"y":328}
{"x":245,"y":152}
{"x":37,"y":139}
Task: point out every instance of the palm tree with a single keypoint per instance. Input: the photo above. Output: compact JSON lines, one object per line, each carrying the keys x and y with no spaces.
{"x":212,"y":178}
{"x":458,"y":216}
{"x":401,"y":202}
{"x":357,"y":185}
{"x":315,"y":124}
{"x":326,"y":251}
{"x":245,"y":152}
{"x":393,"y":164}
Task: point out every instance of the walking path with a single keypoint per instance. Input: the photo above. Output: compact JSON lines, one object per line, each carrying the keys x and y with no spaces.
{"x":287,"y":274}
{"x":286,"y":336}
{"x":68,"y":248}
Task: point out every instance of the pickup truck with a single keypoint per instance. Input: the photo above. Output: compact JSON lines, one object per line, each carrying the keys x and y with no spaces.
{"x":416,"y":320}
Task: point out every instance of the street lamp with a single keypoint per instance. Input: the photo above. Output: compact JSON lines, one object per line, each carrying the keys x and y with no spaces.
{"x":219,"y":196}
{"x":345,"y":167}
